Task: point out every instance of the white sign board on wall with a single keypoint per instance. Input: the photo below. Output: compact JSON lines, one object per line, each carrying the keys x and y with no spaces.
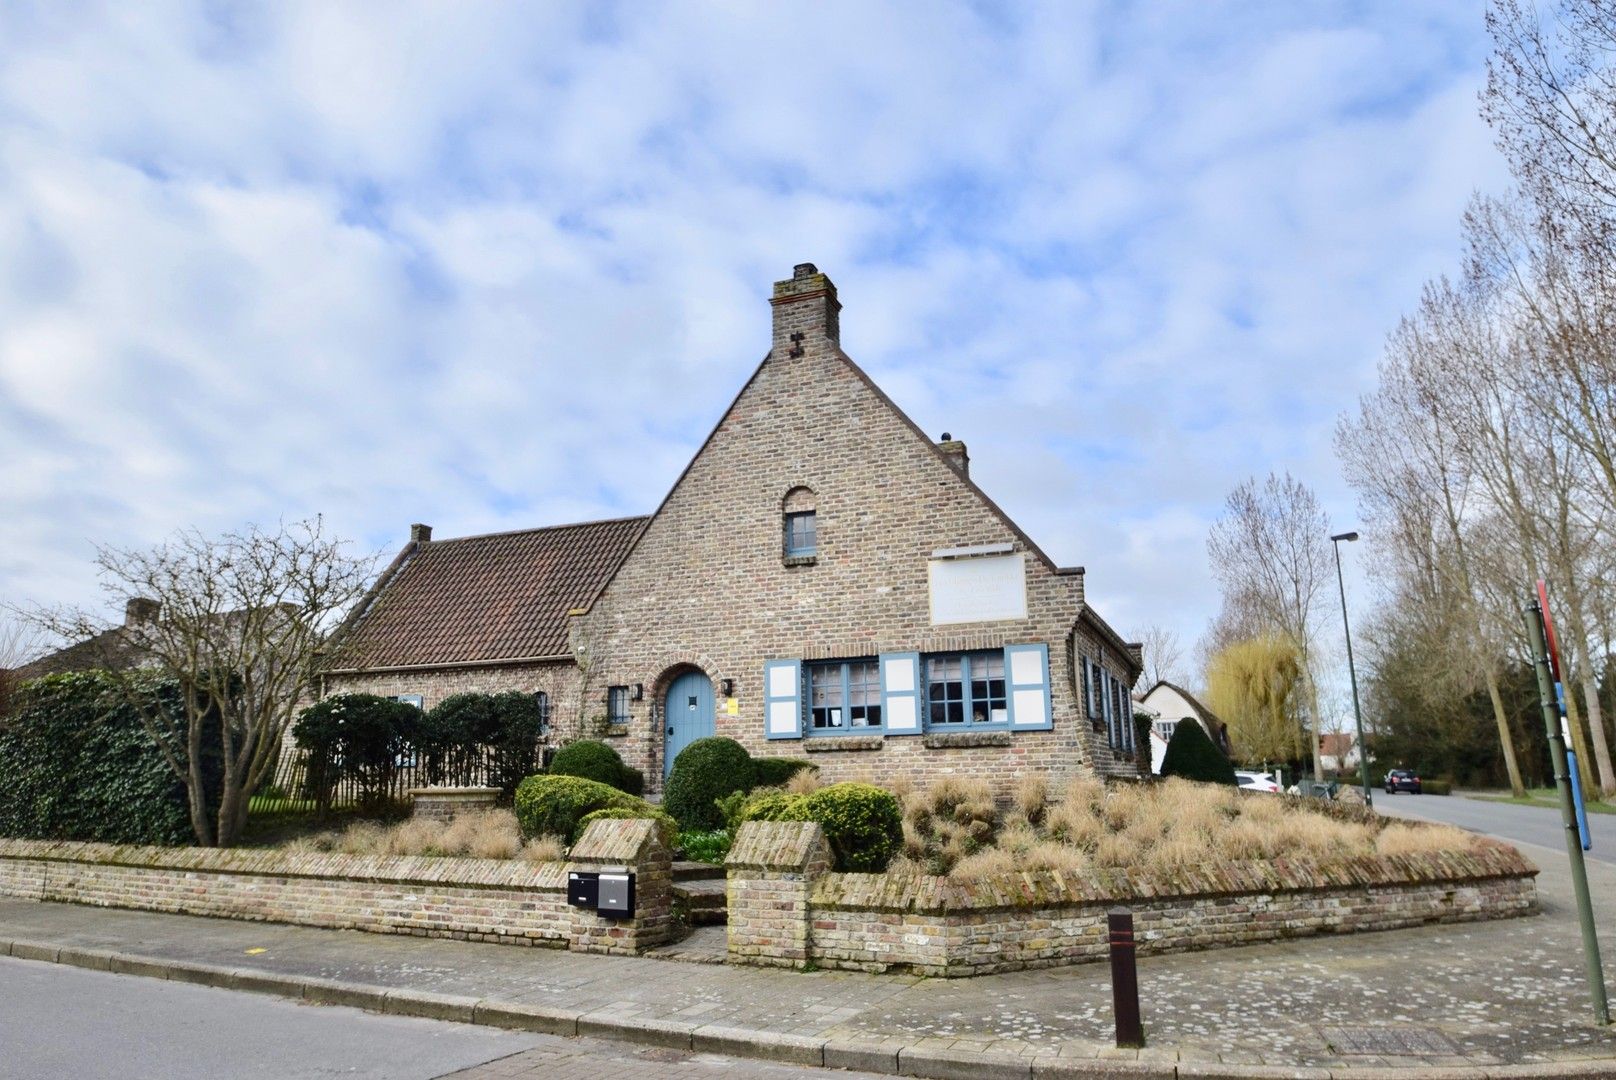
{"x":978,"y":590}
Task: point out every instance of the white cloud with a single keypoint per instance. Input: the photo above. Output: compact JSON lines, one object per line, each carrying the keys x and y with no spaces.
{"x":492,"y":267}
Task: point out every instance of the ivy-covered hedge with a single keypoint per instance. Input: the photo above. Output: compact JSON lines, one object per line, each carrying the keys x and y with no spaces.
{"x":77,"y":764}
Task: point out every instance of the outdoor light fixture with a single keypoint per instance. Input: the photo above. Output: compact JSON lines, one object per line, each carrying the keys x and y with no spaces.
{"x":729,"y":687}
{"x":1352,"y":671}
{"x":639,"y":691}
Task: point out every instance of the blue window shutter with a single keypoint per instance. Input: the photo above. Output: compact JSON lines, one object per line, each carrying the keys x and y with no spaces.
{"x":900,"y":693}
{"x":1026,"y":669}
{"x":782,"y":699}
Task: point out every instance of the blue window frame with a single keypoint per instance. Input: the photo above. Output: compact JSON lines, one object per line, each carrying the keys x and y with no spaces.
{"x":843,"y":695}
{"x":617,"y":704}
{"x":966,"y":690}
{"x":801,"y":534}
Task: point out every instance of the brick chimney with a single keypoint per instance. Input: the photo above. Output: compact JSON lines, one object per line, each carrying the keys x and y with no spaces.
{"x":954,"y":451}
{"x":420,"y":534}
{"x":139,"y":610}
{"x":805,"y":312}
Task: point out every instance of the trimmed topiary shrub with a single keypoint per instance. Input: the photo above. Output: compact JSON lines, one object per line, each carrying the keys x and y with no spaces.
{"x":358,"y":737}
{"x":777,"y":771}
{"x":555,"y":805}
{"x":464,"y":730}
{"x":666,"y":826}
{"x":596,"y":761}
{"x":863,"y":823}
{"x":704,"y":772}
{"x":1192,"y":755}
{"x":76,"y":763}
{"x":769,"y":806}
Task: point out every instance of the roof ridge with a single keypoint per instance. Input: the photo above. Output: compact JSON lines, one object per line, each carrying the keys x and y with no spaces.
{"x":538,"y":529}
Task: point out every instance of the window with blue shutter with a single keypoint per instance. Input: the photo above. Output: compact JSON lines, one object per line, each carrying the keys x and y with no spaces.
{"x":900,"y":693}
{"x":782,"y":699}
{"x":1027,"y":675}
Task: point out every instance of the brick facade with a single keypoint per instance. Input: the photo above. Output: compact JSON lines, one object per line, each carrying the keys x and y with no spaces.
{"x":791,"y":912}
{"x":706,"y":584}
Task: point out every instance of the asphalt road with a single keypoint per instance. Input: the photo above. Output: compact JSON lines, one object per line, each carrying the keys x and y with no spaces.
{"x":1509,"y":821}
{"x":58,"y":1021}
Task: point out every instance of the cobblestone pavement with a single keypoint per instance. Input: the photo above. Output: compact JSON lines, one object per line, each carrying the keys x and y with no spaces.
{"x":1500,"y":992}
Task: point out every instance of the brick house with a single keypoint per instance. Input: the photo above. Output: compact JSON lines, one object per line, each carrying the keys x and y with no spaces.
{"x":823,"y":580}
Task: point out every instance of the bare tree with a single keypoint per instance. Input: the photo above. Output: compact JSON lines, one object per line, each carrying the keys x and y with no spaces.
{"x":20,"y":642}
{"x":237,"y":622}
{"x":1271,"y":548}
{"x":1163,"y":653}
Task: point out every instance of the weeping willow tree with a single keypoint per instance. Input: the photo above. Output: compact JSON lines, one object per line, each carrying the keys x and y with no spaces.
{"x":1253,"y":685}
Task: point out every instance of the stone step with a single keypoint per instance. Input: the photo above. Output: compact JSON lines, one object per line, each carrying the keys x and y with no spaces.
{"x":685,"y":870}
{"x":704,"y":901}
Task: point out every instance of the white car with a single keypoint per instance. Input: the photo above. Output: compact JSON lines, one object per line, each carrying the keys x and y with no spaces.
{"x":1256,"y":781}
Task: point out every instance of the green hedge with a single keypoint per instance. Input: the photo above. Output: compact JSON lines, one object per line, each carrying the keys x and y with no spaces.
{"x":557,"y":805}
{"x":596,"y":761}
{"x":76,"y":763}
{"x":704,"y":772}
{"x":1192,"y":755}
{"x":863,"y":823}
{"x":778,"y":771}
{"x":358,"y":737}
{"x":463,"y":728}
{"x":1436,"y":787}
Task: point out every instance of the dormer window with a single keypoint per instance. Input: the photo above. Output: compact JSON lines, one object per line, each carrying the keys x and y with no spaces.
{"x":800,"y":527}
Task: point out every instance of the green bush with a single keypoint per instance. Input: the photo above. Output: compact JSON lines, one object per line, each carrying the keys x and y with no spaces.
{"x":863,"y":823}
{"x":769,"y":806}
{"x":777,"y":771}
{"x":358,"y":737}
{"x":556,"y":805}
{"x":667,"y":828}
{"x":706,"y":847}
{"x":704,"y":772}
{"x":464,"y":729}
{"x":76,"y":763}
{"x":596,"y":761}
{"x":1436,"y":787}
{"x":1193,"y":756}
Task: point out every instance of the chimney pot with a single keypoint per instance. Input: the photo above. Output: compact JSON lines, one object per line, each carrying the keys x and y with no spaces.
{"x":140,"y":609}
{"x":806,"y":312}
{"x":954,"y":450}
{"x":420,"y":534}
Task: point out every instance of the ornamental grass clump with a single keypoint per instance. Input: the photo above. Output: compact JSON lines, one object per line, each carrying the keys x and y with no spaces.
{"x":489,"y":834}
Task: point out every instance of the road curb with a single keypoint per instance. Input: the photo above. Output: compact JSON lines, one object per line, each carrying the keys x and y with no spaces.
{"x":743,"y":1042}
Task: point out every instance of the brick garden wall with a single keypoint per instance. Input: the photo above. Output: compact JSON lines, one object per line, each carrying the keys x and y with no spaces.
{"x":783,"y":910}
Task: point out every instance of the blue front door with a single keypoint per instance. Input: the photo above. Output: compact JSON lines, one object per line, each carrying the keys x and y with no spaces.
{"x":688,"y":710}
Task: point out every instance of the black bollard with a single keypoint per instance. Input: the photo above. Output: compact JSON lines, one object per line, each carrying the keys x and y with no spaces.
{"x":1124,"y":979}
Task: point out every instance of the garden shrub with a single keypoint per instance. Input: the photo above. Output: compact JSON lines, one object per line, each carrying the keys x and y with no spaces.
{"x":1436,"y":787}
{"x":706,"y":847}
{"x":704,"y":772}
{"x":596,"y":761}
{"x":778,"y":771}
{"x":76,"y":763}
{"x":863,"y":823}
{"x":357,"y":737}
{"x":667,"y":828}
{"x":464,"y":729}
{"x":1192,"y":755}
{"x":555,"y":805}
{"x":768,"y":806}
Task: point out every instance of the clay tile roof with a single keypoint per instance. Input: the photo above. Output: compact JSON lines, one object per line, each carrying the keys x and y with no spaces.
{"x":504,"y":596}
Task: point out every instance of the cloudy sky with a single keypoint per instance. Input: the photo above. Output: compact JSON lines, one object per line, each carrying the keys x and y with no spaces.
{"x":496,"y":266}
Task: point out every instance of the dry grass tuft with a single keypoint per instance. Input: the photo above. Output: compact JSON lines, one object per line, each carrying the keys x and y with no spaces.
{"x":804,"y":782}
{"x":1401,"y":839}
{"x":1031,"y":798}
{"x":490,"y":834}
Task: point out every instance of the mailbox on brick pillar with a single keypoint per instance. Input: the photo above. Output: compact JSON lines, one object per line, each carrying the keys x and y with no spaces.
{"x":620,"y":887}
{"x":772,"y":867}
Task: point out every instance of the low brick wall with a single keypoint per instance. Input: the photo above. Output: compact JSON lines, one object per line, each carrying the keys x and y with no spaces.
{"x":932,"y":926}
{"x":447,"y":803}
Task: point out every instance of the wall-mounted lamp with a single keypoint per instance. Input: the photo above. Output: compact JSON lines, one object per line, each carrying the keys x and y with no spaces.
{"x":639,"y":691}
{"x":729,"y":687}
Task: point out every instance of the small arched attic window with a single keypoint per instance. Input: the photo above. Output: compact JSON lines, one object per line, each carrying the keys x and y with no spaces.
{"x":800,"y":527}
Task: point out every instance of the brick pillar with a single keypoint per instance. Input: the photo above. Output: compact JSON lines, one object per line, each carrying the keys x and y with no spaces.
{"x":634,"y":844}
{"x":807,"y":314}
{"x":772,"y":867}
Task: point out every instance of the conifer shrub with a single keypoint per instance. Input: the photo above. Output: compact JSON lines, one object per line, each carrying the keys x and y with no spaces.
{"x":557,"y":805}
{"x":1192,"y":755}
{"x":704,"y":772}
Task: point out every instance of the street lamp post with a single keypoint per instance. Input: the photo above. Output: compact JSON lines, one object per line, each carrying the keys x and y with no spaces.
{"x":1352,"y":671}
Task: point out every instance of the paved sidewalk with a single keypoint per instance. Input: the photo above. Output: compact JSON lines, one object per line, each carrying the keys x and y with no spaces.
{"x":1486,"y":997}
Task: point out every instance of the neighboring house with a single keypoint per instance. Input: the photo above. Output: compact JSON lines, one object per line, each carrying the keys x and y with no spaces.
{"x":823,"y":580}
{"x":1169,"y":704}
{"x":110,"y":647}
{"x":1338,"y":752}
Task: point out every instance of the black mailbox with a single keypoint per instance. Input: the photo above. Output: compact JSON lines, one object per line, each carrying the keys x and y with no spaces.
{"x":583,"y":889}
{"x":616,"y":894}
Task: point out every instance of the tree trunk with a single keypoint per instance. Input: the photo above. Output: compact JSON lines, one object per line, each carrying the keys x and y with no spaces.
{"x":1506,"y":738}
{"x":196,"y":789}
{"x":232,"y":807}
{"x":1596,"y":725}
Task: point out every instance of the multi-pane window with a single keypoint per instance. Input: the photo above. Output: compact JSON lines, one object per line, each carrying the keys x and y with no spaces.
{"x":844,"y":694}
{"x":542,"y":701}
{"x":617,"y":704}
{"x":411,"y":699}
{"x":966,"y":688}
{"x":801,"y":534}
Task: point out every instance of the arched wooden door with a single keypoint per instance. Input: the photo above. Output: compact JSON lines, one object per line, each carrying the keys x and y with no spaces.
{"x":688,"y":712}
